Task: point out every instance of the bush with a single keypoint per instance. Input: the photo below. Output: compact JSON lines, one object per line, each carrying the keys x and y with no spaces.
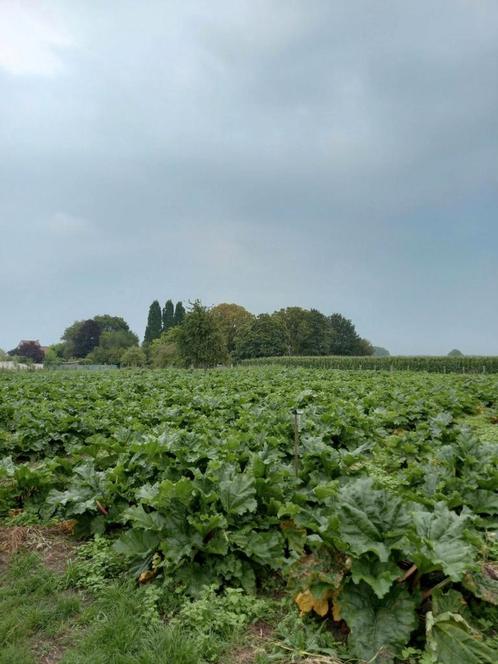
{"x":133,"y":357}
{"x":51,"y":358}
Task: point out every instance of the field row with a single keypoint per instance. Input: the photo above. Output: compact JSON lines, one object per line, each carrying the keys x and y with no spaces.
{"x":474,"y":364}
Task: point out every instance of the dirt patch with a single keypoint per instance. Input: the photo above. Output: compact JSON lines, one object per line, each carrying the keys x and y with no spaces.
{"x":54,"y":544}
{"x":49,"y":652}
{"x":258,"y":634}
{"x":261,"y":634}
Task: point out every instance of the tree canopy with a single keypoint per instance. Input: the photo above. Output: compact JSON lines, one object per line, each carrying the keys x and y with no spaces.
{"x":231,"y":318}
{"x":200,"y":339}
{"x":102,"y":339}
{"x":30,"y":350}
{"x":163,"y":352}
{"x":264,"y":336}
{"x":109,"y":323}
{"x":112,"y":345}
{"x":308,"y":331}
{"x":179,"y":314}
{"x":133,"y":357}
{"x":154,"y":323}
{"x":168,"y":315}
{"x":86,"y":338}
{"x":345,"y":340}
{"x":378,"y":351}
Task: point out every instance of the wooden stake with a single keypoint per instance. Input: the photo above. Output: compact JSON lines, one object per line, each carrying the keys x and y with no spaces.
{"x":297,"y":426}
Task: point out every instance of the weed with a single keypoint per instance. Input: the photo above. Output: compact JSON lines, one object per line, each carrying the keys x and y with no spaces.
{"x":95,"y":564}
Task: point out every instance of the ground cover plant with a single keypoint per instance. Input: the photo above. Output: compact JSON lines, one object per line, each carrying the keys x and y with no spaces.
{"x":359,"y":509}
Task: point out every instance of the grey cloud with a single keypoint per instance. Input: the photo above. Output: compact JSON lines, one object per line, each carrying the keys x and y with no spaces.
{"x":341,"y":155}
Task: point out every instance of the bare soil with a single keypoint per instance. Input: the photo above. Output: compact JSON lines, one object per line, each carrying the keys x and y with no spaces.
{"x":54,"y":544}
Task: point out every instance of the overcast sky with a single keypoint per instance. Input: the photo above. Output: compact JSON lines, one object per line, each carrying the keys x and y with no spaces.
{"x":340,"y":155}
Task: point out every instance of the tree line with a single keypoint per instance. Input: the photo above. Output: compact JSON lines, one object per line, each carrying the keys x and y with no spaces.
{"x":160,"y":321}
{"x":228,"y":332}
{"x":201,"y":337}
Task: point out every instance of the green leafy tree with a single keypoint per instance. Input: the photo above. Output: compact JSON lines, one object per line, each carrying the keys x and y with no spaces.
{"x":308,"y":331}
{"x":163,"y":352}
{"x":133,"y":357}
{"x":71,"y":339}
{"x":168,"y":316}
{"x":317,"y":338}
{"x":344,"y":338}
{"x":59,"y":349}
{"x":364,"y":347}
{"x":264,"y":336}
{"x":455,"y":353}
{"x":68,"y":338}
{"x":154,"y":323}
{"x":179,"y":313}
{"x":109,"y":323}
{"x":295,"y":320}
{"x":51,"y":358}
{"x":200,"y":339}
{"x":232,"y":318}
{"x":86,"y":338}
{"x":378,"y":351}
{"x":112,"y":346}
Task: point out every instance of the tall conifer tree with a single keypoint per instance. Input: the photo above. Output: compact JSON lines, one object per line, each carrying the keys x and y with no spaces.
{"x":179,"y":313}
{"x":168,"y":315}
{"x":154,"y":323}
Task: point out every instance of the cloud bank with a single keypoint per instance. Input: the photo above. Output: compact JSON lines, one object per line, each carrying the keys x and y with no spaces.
{"x":337,"y":155}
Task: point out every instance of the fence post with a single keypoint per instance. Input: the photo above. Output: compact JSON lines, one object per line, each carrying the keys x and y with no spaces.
{"x":297,"y":428}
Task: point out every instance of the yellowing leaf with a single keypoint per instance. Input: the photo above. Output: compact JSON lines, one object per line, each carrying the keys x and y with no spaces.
{"x":321,"y":606}
{"x":304,"y":601}
{"x":147,"y":576}
{"x":336,"y":608}
{"x":307,"y":602}
{"x":68,"y":526}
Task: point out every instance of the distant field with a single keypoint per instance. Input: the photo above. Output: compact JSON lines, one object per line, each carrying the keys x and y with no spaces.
{"x":366,"y":502}
{"x":471,"y":364}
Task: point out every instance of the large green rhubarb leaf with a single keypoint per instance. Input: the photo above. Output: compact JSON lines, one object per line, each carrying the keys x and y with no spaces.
{"x":137,"y":543}
{"x":440,"y":542}
{"x":139,"y":518}
{"x":371,"y":519}
{"x":379,"y":628}
{"x":266,"y":548}
{"x":451,"y":640}
{"x":236,"y":492}
{"x":451,"y":601}
{"x":378,"y":575}
{"x":482,"y":501}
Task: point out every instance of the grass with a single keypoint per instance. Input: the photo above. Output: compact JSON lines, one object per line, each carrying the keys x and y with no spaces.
{"x":78,"y":616}
{"x":42,"y":621}
{"x":33,"y":611}
{"x":117,"y":632}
